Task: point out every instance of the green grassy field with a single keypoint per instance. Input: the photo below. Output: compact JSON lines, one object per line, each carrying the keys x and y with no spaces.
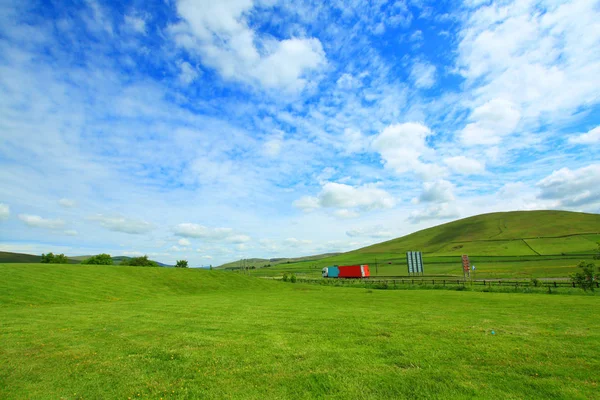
{"x":96,"y":332}
{"x":526,"y":244}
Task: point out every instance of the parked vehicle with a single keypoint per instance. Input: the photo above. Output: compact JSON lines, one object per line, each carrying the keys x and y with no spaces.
{"x":346,"y":271}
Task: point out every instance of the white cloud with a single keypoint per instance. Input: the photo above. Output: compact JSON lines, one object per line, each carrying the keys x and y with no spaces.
{"x":434,"y":212}
{"x":136,"y":23}
{"x":190,"y":230}
{"x":39,"y":222}
{"x":183,"y":242}
{"x":187,"y":73}
{"x":339,"y":195}
{"x":293,"y":242}
{"x":272,"y":147}
{"x":591,"y":137}
{"x":539,"y":56}
{"x":438,"y":192}
{"x":67,"y":203}
{"x":346,"y":214}
{"x":238,"y":239}
{"x":119,"y":223}
{"x":218,"y":32}
{"x":465,"y":166}
{"x":347,"y":81}
{"x":71,"y":232}
{"x":572,"y":188}
{"x":375,"y":232}
{"x":353,"y":141}
{"x":401,"y":147}
{"x":307,"y":203}
{"x":423,"y":75}
{"x":4,"y":211}
{"x":490,"y":122}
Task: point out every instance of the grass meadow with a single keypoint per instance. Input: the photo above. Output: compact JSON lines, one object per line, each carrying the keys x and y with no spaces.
{"x":90,"y":332}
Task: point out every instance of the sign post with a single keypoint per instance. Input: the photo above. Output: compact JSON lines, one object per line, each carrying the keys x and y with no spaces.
{"x":466,"y":266}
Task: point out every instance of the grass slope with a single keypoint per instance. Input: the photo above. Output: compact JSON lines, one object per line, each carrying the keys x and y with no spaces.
{"x":494,"y":234}
{"x":501,"y":245}
{"x":177,"y":334}
{"x":260,"y":262}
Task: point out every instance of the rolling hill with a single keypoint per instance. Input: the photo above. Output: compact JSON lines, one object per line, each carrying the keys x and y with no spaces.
{"x":505,"y":244}
{"x":504,"y":233}
{"x":260,"y":262}
{"x":8,"y":257}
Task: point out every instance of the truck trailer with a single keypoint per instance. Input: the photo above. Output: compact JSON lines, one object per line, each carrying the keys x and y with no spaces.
{"x":346,"y":271}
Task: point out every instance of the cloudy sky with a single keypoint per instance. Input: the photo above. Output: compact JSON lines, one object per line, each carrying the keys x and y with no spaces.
{"x":215,"y":130}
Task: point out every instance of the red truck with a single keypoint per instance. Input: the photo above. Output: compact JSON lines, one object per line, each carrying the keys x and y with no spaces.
{"x":354,"y":271}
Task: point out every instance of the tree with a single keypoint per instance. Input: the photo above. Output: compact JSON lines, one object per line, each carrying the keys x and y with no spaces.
{"x":52,"y":258}
{"x":100,"y":259}
{"x":139,"y":262}
{"x":60,"y":259}
{"x":181,"y":264}
{"x":597,"y":256}
{"x":587,"y":277}
{"x":47,"y":258}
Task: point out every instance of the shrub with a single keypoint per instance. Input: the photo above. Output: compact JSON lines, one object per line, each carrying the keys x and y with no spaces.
{"x":535,"y":282}
{"x":285,"y":277}
{"x":587,"y":277}
{"x":293,"y":278}
{"x":181,"y":264}
{"x":100,"y":259}
{"x":139,"y":262}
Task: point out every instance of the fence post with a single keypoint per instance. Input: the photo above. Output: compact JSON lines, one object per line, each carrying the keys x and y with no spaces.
{"x":573,"y":284}
{"x":554,"y":283}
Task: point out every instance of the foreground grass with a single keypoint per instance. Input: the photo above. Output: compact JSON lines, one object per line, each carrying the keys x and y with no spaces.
{"x":228,"y":336}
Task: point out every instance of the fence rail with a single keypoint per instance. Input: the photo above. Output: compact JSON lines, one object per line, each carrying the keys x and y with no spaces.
{"x":444,"y":282}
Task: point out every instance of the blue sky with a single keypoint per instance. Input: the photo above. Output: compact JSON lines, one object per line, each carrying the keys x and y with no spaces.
{"x":213,"y":131}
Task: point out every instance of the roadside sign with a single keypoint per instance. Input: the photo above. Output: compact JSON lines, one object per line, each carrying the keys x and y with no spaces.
{"x":466,"y":265}
{"x":414,"y":261}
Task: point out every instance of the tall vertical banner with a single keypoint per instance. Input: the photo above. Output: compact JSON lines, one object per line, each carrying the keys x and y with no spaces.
{"x":414,"y":260}
{"x":466,"y":265}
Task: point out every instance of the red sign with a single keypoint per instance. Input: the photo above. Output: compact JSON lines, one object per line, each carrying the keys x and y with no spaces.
{"x":466,"y":265}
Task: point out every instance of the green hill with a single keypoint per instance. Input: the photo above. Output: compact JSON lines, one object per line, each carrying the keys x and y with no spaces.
{"x":505,"y":233}
{"x":503,"y":245}
{"x":261,"y":262}
{"x":7,"y":257}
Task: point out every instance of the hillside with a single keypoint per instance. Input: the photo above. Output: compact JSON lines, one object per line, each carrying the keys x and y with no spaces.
{"x":260,"y":262}
{"x":507,"y":244}
{"x":502,"y":234}
{"x":8,"y":257}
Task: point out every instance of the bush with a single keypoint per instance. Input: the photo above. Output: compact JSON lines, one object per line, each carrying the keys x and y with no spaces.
{"x":587,"y":277}
{"x":139,"y":262}
{"x":100,"y":259}
{"x":51,"y":258}
{"x":293,"y":278}
{"x":182,"y":264}
{"x":535,"y":282}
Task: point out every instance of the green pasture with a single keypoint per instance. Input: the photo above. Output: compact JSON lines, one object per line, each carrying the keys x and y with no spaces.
{"x":96,"y":332}
{"x":485,"y":267}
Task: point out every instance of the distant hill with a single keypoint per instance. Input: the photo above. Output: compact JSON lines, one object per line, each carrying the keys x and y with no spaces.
{"x":261,"y":262}
{"x":7,"y":257}
{"x":516,"y":233}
